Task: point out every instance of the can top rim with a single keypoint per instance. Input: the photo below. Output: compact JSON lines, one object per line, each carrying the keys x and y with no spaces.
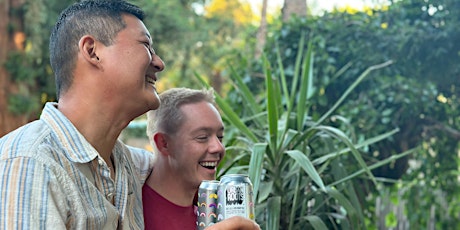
{"x":212,"y":181}
{"x":235,"y":175}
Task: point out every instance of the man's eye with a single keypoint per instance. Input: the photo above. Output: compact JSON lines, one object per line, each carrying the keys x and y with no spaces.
{"x":149,"y":47}
{"x":202,"y":138}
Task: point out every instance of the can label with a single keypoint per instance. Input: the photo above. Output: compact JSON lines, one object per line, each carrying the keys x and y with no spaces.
{"x":235,"y":201}
{"x":235,"y":197}
{"x":207,"y":204}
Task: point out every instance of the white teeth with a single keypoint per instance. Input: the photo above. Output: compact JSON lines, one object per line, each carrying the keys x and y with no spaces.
{"x":209,"y":164}
{"x":150,"y":81}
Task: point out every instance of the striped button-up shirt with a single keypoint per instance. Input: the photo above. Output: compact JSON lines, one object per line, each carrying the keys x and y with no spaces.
{"x":52,"y":178}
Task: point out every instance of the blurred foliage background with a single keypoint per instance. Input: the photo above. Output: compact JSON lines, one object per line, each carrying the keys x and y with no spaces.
{"x":238,"y":51}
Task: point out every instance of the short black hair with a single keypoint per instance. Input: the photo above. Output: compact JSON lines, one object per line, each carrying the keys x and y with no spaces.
{"x":99,"y":18}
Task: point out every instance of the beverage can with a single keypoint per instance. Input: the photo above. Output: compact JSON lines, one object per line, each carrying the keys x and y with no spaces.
{"x":207,"y":204}
{"x":235,"y":197}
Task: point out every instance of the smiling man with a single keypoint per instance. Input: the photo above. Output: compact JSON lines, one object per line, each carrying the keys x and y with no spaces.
{"x":68,"y":170}
{"x":186,"y":132}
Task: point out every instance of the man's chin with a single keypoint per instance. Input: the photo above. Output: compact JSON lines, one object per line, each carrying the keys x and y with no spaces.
{"x":155,"y":104}
{"x":155,"y":107}
{"x":209,"y":177}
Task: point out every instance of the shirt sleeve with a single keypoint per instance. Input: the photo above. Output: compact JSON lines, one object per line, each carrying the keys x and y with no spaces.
{"x":143,"y":161}
{"x":30,"y":196}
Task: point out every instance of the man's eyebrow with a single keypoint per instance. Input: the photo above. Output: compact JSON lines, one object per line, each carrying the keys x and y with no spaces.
{"x":207,"y":129}
{"x":148,"y":35}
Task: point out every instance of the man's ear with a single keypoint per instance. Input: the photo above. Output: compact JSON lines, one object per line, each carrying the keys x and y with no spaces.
{"x":161,"y":142}
{"x":88,"y":49}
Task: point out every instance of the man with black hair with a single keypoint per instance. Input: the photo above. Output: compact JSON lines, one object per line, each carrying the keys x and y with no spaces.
{"x":68,"y":170}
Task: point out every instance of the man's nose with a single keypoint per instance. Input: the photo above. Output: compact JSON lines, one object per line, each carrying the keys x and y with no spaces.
{"x":157,"y":63}
{"x":217,"y":146}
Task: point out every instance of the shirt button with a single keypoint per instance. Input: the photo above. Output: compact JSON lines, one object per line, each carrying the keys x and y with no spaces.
{"x":110,"y":195}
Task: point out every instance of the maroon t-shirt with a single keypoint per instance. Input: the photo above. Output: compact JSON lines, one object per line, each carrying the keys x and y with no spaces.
{"x":160,"y":213}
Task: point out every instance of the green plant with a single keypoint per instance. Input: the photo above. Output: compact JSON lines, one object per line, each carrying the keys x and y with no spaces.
{"x":296,"y":163}
{"x":418,"y":94}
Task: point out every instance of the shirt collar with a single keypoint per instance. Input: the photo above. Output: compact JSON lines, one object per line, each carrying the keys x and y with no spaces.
{"x":74,"y":144}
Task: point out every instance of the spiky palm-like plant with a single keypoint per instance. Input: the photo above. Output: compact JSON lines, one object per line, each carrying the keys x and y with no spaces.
{"x":297,"y":164}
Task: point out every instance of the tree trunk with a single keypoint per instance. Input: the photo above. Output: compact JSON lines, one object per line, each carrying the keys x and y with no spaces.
{"x":261,"y":32}
{"x":294,"y":7}
{"x":11,"y":26}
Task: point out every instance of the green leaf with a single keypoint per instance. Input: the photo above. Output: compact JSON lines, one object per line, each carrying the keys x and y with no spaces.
{"x":391,"y":221}
{"x":283,"y":79}
{"x":306,"y":87}
{"x":347,"y":189}
{"x":298,"y":65}
{"x":316,"y":222}
{"x":247,"y":94}
{"x":307,"y":166}
{"x":265,"y":188}
{"x":255,"y":165}
{"x":374,"y":166}
{"x":295,"y":201}
{"x":272,"y":107}
{"x":343,"y":201}
{"x":343,"y":138}
{"x":202,"y":81}
{"x":367,"y":142}
{"x":351,"y":88}
{"x":289,"y":138}
{"x":273,"y":213}
{"x":233,"y":118}
{"x":228,"y":112}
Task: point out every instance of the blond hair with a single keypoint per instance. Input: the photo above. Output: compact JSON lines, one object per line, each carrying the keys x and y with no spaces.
{"x":168,"y":118}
